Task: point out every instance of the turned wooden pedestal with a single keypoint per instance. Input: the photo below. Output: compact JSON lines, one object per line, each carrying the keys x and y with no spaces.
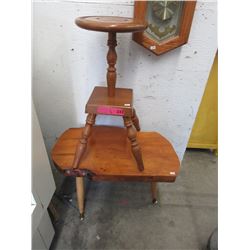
{"x":109,"y":158}
{"x":111,"y":100}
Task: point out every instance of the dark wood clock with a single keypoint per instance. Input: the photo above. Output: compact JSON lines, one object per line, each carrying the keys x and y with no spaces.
{"x":169,"y":24}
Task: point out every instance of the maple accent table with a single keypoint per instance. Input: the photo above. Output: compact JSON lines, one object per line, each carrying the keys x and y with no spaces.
{"x":109,"y":158}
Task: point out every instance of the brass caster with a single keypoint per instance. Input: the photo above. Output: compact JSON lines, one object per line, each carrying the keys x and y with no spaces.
{"x":154,"y":201}
{"x":82,"y":216}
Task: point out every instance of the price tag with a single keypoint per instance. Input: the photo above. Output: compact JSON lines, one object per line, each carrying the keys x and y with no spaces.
{"x":110,"y":111}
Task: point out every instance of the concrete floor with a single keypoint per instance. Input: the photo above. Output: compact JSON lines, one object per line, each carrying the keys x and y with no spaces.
{"x":121,"y":216}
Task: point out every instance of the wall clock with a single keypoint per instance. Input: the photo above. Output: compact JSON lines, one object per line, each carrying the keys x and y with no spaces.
{"x":169,"y":24}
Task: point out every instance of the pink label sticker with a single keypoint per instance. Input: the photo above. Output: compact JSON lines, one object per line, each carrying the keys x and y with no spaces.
{"x":110,"y":111}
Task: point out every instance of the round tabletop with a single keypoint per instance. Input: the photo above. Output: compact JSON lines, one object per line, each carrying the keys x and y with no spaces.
{"x":110,"y":24}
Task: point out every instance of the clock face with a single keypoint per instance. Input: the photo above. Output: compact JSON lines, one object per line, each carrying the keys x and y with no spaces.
{"x":164,"y":19}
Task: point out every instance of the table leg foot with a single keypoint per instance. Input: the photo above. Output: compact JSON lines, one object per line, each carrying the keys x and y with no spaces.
{"x":81,"y":216}
{"x":154,"y":201}
{"x":154,"y":192}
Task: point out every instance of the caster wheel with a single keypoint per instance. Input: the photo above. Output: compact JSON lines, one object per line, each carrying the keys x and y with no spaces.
{"x":154,"y":201}
{"x":81,"y":216}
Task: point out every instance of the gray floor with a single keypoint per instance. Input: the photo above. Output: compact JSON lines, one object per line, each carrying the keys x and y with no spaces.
{"x":121,"y":216}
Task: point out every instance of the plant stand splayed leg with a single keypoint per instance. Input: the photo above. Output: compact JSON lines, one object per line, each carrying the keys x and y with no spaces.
{"x":82,"y":145}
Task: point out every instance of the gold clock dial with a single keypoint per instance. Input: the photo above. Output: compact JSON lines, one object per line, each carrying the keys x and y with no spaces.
{"x":163,"y":19}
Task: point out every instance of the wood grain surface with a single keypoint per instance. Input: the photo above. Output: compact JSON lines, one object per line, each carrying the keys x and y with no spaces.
{"x":111,"y":60}
{"x":110,"y":24}
{"x":108,"y":155}
{"x":123,"y":99}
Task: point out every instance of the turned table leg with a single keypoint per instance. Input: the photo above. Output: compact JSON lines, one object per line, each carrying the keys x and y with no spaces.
{"x":154,"y":192}
{"x":136,"y":150}
{"x":80,"y":195}
{"x":135,"y":121}
{"x":82,"y":145}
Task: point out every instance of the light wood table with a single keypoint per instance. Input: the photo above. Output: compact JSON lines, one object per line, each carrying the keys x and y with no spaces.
{"x":109,"y":158}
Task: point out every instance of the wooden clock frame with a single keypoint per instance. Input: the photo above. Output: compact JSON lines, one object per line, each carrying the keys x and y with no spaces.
{"x":140,"y":10}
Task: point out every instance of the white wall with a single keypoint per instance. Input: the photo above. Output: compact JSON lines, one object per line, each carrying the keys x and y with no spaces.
{"x":68,"y":62}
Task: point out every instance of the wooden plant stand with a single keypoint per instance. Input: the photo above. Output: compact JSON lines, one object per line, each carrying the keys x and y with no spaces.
{"x":111,"y":100}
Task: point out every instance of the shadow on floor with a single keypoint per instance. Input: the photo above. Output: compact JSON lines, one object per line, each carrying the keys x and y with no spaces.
{"x":121,"y":215}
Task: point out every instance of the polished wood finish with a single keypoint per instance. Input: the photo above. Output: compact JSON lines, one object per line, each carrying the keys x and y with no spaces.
{"x":111,"y":59}
{"x":111,"y":24}
{"x":111,"y":101}
{"x":154,"y":192}
{"x":80,"y":195}
{"x":131,"y":133}
{"x":82,"y":144}
{"x":135,"y":121}
{"x":109,"y":156}
{"x":120,"y":104}
{"x":123,"y":99}
{"x":140,"y":10}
